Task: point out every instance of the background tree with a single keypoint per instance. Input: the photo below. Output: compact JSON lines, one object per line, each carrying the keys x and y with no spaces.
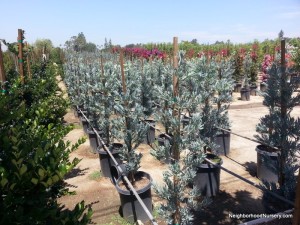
{"x":78,"y":43}
{"x":43,"y":46}
{"x":280,"y":34}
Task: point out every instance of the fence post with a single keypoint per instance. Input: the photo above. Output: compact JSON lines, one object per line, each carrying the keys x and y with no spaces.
{"x":176,"y":155}
{"x":28,"y":61}
{"x":20,"y":56}
{"x":2,"y":72}
{"x":122,"y":71}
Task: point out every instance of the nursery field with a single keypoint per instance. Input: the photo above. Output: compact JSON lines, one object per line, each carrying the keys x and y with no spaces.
{"x":136,"y":135}
{"x":235,"y":195}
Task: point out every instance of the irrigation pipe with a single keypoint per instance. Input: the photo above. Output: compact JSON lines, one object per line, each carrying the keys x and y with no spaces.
{"x":122,"y":173}
{"x":238,"y":176}
{"x":207,"y":160}
{"x":250,"y":182}
{"x":250,"y":139}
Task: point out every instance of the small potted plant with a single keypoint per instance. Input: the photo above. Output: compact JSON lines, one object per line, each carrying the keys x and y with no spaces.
{"x":207,"y":178}
{"x":164,"y":114}
{"x":108,"y":91}
{"x":245,"y":90}
{"x":179,"y":198}
{"x":148,"y":72}
{"x":223,"y":88}
{"x":253,"y":70}
{"x":72,"y":81}
{"x":95,"y":122}
{"x":237,"y":61}
{"x":132,"y":131}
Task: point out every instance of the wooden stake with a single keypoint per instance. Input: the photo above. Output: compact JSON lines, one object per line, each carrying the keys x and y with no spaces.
{"x":102,"y":67}
{"x":127,"y":118}
{"x":219,"y":93}
{"x":28,"y":62}
{"x":175,"y":66}
{"x":176,"y":134}
{"x":282,"y":53}
{"x":296,"y":217}
{"x":20,"y":56}
{"x":122,"y":72}
{"x":2,"y":72}
{"x":106,"y":105}
{"x":283,"y":81}
{"x":283,"y":109}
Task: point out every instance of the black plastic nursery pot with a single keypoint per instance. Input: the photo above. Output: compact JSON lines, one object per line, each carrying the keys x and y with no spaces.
{"x":273,"y":205}
{"x":130,"y":207}
{"x":163,"y":140}
{"x":222,"y":140}
{"x":237,"y":87}
{"x":78,"y":110}
{"x":295,"y":79}
{"x":84,"y":123}
{"x":115,"y":173}
{"x":263,"y":87}
{"x":185,"y":121}
{"x":150,"y":136}
{"x":94,"y":142}
{"x":75,"y":110}
{"x":267,"y":164}
{"x":207,"y":179}
{"x":253,"y":89}
{"x":245,"y":94}
{"x":105,"y":161}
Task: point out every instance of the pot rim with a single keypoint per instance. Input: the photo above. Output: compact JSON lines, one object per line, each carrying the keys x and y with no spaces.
{"x":205,"y":165}
{"x":101,"y":151}
{"x":262,"y":152}
{"x":139,"y":191}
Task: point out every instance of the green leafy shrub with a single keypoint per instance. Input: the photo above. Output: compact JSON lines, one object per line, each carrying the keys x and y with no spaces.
{"x":34,"y":158}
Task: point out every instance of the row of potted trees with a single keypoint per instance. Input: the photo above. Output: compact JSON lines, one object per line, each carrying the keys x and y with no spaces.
{"x":115,"y":109}
{"x":191,"y":101}
{"x":118,"y":110}
{"x":277,"y":156}
{"x":192,"y":110}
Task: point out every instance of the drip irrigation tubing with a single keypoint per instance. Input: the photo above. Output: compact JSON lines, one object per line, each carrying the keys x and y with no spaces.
{"x":250,"y":182}
{"x":207,"y":160}
{"x":250,"y":139}
{"x":238,"y":176}
{"x":150,"y":216}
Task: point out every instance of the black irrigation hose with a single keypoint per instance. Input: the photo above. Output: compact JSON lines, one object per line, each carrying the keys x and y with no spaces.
{"x":250,"y":182}
{"x":207,"y":160}
{"x":238,"y":176}
{"x":250,"y":139}
{"x":124,"y":176}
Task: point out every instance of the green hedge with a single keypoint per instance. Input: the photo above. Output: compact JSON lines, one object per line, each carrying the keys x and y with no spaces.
{"x":33,"y":155}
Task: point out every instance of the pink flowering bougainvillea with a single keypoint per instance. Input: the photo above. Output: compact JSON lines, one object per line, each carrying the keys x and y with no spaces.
{"x":141,"y":52}
{"x":267,"y":61}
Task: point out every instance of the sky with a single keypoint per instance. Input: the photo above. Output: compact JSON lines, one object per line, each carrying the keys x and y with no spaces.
{"x":153,"y":21}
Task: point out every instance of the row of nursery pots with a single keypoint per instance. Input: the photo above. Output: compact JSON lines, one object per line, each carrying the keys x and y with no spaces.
{"x":208,"y":176}
{"x":267,"y":160}
{"x":207,"y":179}
{"x":246,"y":92}
{"x":267,"y":171}
{"x":131,"y":209}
